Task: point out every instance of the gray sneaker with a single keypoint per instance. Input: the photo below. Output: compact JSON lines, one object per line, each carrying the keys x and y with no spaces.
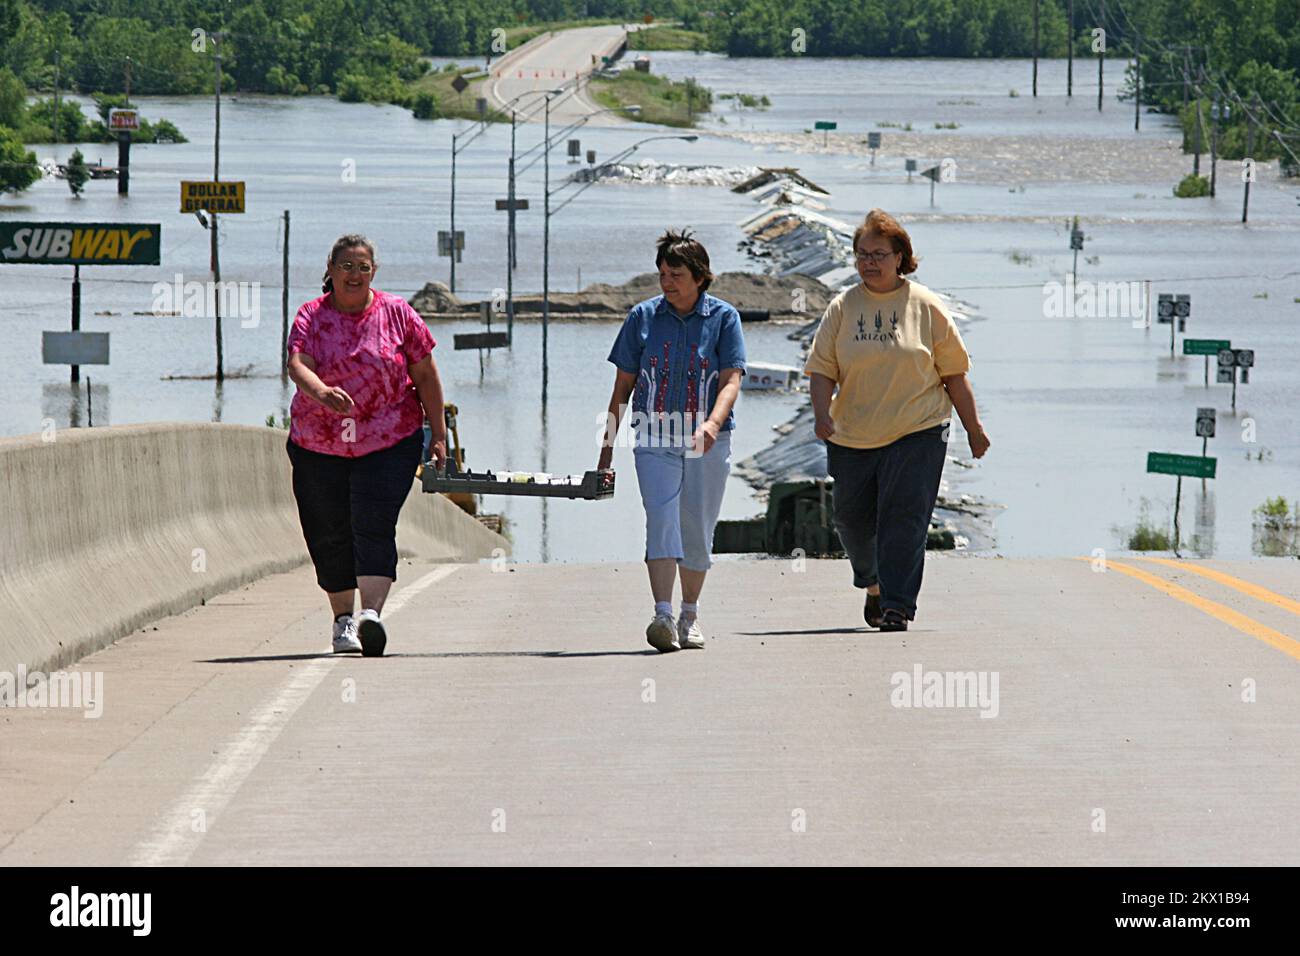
{"x":662,"y":634}
{"x":345,"y":636}
{"x":689,"y":635}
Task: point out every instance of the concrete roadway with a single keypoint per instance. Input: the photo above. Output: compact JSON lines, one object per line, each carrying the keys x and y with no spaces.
{"x":552,"y":61}
{"x":521,"y":719}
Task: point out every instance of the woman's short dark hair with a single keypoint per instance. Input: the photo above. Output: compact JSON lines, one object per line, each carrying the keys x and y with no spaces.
{"x":882,"y":224}
{"x":678,"y":249}
{"x":351,"y":241}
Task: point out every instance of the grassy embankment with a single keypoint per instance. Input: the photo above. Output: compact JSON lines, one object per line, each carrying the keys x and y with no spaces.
{"x":662,"y":101}
{"x":667,"y":37}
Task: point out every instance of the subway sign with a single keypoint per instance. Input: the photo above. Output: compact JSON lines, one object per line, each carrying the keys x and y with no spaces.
{"x":212,"y":196}
{"x":82,"y":243}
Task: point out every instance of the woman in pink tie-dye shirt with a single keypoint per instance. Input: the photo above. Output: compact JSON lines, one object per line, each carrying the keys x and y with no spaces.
{"x":362,"y":360}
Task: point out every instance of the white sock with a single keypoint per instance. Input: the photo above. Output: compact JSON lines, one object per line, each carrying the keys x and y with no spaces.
{"x":664,"y":607}
{"x":690,"y":611}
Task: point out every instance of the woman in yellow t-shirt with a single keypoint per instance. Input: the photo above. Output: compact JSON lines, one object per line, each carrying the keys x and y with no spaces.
{"x":893,"y":350}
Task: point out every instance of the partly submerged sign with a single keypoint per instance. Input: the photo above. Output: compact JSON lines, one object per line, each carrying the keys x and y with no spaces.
{"x":82,"y":243}
{"x":1193,"y":466}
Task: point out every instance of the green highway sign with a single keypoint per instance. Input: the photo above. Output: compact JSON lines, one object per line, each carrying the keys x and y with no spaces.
{"x":1205,"y":346}
{"x":824,"y":124}
{"x":81,"y":243}
{"x":1193,"y":466}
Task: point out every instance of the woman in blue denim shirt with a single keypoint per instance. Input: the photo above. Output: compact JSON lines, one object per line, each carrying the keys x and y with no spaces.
{"x":680,"y":358}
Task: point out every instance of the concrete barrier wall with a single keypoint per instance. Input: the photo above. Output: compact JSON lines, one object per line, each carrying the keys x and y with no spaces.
{"x":105,"y":529}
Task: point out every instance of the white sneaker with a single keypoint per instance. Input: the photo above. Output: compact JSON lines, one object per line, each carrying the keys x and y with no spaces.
{"x":689,"y":635}
{"x":372,"y":633}
{"x":662,"y":634}
{"x":345,"y":636}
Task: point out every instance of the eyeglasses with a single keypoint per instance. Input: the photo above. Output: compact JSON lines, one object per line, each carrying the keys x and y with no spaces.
{"x":365,"y":268}
{"x":875,"y":258}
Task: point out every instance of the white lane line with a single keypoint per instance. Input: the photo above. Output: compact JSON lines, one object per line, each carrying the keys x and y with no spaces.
{"x":183,"y":826}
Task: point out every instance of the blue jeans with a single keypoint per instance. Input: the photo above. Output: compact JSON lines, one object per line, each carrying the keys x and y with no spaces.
{"x":882,"y":500}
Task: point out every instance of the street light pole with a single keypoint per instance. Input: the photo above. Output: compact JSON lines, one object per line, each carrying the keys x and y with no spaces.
{"x":453,"y":212}
{"x":510,"y":242}
{"x":546,"y":242}
{"x":216,"y":177}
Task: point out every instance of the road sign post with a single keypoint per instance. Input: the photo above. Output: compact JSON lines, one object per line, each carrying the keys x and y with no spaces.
{"x":123,"y":122}
{"x":1192,"y":466}
{"x":931,"y":174}
{"x":1229,"y":361}
{"x":825,"y":126}
{"x":1176,"y":309}
{"x":873,"y":144}
{"x":512,"y":205}
{"x":1206,"y":348}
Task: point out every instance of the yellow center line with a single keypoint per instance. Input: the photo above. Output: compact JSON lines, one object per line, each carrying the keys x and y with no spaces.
{"x":1227,"y":615}
{"x":1237,"y":584}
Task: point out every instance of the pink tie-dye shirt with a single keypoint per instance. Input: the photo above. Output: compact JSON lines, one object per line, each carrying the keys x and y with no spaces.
{"x":367,"y":355}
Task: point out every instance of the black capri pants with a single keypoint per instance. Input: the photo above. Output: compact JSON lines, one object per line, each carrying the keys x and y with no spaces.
{"x":349,"y":506}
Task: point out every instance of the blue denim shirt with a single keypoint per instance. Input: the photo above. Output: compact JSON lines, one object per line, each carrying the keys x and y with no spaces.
{"x":677,"y":359}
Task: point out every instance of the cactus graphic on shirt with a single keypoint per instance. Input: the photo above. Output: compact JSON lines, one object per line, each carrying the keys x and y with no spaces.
{"x":661,"y":392}
{"x":692,"y":396}
{"x":893,"y":322}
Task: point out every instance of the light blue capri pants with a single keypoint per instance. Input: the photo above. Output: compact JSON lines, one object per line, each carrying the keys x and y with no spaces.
{"x":682,"y":495}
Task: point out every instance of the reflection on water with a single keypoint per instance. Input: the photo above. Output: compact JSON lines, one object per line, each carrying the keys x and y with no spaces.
{"x":1203,"y":536}
{"x":81,"y":404}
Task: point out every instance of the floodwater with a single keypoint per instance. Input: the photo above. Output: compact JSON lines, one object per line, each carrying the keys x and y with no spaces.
{"x":1072,"y":404}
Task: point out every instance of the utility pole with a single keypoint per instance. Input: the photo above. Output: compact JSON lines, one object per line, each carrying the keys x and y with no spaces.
{"x":56,"y":97}
{"x":1035,"y":48}
{"x":284,"y":303}
{"x":1250,"y":152}
{"x":1196,"y":163}
{"x":1215,"y":110}
{"x":216,"y":177}
{"x":1137,"y":81}
{"x":1187,"y":76}
{"x":1069,"y":49}
{"x":1101,"y":57}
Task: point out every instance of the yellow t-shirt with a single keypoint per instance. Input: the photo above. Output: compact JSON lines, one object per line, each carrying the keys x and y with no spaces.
{"x":887,"y":352}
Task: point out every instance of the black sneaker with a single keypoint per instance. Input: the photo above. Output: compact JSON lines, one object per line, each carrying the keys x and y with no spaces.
{"x":871,"y":612}
{"x":894,"y":620}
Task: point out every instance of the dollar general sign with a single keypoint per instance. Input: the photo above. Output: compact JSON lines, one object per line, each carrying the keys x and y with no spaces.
{"x":213,"y":197}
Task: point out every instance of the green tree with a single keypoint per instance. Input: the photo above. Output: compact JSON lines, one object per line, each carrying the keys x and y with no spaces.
{"x":18,"y":167}
{"x":13,"y":99}
{"x":77,"y":173}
